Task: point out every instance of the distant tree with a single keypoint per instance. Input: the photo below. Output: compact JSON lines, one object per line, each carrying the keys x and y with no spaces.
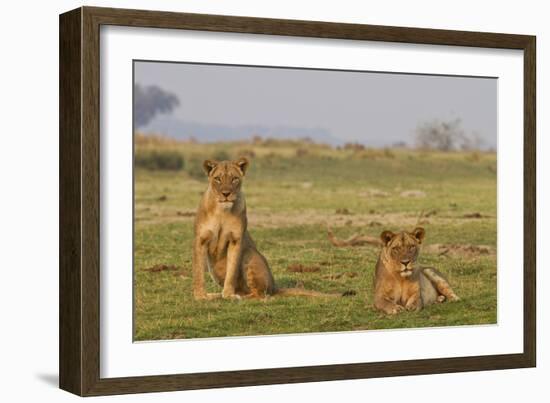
{"x":438,"y":135}
{"x":472,"y":142}
{"x":446,"y":136}
{"x":150,"y":100}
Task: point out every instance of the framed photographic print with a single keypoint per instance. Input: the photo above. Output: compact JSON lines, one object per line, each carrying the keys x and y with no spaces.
{"x":249,"y":201}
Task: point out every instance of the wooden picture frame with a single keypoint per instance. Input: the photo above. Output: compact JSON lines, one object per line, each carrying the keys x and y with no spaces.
{"x":79,"y":280}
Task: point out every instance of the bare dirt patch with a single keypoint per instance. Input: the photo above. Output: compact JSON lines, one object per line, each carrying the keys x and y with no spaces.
{"x":162,"y":267}
{"x":377,"y":219}
{"x":300,"y":268}
{"x":338,"y":276}
{"x":185,"y":213}
{"x":258,"y":218}
{"x":355,"y":240}
{"x":475,"y":215}
{"x":374,"y":193}
{"x":412,"y":193}
{"x":467,"y":251}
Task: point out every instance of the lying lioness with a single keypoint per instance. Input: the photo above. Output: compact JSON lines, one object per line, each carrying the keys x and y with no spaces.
{"x":222,"y":243}
{"x":399,"y":282}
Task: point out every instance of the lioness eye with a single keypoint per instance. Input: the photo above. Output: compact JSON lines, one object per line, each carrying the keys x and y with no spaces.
{"x":235,"y":180}
{"x":217,"y":179}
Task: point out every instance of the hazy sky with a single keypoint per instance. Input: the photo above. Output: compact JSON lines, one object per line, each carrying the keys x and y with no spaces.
{"x":372,"y":108}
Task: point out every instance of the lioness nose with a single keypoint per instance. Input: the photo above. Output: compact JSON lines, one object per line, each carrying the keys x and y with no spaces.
{"x":225,"y":193}
{"x":405,"y":262}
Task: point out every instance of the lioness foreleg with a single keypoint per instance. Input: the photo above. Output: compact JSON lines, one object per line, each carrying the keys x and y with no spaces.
{"x":200,"y":253}
{"x":234,"y":251}
{"x":388,"y":306}
{"x":414,"y":303}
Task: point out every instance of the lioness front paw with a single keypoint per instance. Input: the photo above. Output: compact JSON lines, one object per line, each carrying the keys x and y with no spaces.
{"x":230,"y":295}
{"x":395,"y":309}
{"x":413,"y":307}
{"x":200,"y":295}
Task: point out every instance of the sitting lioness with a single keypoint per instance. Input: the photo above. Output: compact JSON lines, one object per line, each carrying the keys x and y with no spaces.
{"x":399,"y":282}
{"x":222,"y":244}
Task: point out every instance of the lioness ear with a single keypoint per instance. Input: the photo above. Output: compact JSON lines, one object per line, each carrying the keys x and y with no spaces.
{"x":386,"y":236}
{"x":419,"y":234}
{"x":242,"y":163}
{"x":209,"y":165}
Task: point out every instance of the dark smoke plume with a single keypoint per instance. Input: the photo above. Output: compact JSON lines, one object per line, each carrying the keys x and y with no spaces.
{"x":150,"y":100}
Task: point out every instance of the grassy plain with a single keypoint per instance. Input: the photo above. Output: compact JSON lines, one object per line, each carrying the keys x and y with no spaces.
{"x":294,"y":192}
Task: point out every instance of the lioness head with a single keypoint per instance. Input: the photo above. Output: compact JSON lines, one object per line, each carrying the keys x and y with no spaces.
{"x":400,"y":250}
{"x":225,"y":178}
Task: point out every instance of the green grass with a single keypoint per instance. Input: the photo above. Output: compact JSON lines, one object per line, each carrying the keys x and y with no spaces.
{"x":291,"y":201}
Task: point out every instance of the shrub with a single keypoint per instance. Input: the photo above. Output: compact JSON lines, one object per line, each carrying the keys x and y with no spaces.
{"x":389,"y":153}
{"x":246,"y":153}
{"x":194,"y":168}
{"x":220,"y":155}
{"x":354,"y":147}
{"x":475,"y":156}
{"x":374,"y":153}
{"x":159,"y":160}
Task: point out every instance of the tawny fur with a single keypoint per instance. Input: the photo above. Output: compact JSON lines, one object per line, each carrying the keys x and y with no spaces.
{"x":399,"y":283}
{"x":222,"y":244}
